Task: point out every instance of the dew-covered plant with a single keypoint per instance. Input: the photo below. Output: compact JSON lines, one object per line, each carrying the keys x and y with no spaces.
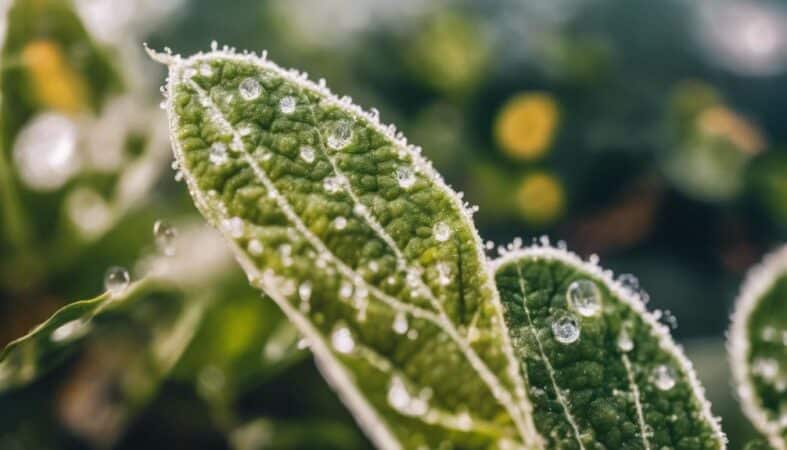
{"x":378,"y":264}
{"x":758,"y":347}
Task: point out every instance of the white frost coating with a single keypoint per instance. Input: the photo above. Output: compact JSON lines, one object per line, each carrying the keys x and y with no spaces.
{"x":522,"y":414}
{"x":759,"y":281}
{"x":633,"y":300}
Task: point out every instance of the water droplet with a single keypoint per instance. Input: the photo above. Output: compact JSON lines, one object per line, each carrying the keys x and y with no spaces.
{"x":305,"y":291}
{"x":249,"y":89}
{"x":302,"y":344}
{"x":340,"y":135}
{"x":464,"y":421}
{"x":405,"y":177}
{"x":584,"y":297}
{"x":346,"y":290}
{"x":625,"y":344}
{"x":69,"y":330}
{"x":307,"y":154}
{"x":45,"y":152}
{"x":233,"y":226}
{"x":287,"y":105}
{"x":401,"y":400}
{"x":331,"y":185}
{"x":359,"y":209}
{"x":340,"y":223}
{"x":342,"y":340}
{"x":116,"y":280}
{"x":441,"y":232}
{"x":664,"y":377}
{"x":255,"y":247}
{"x":164,"y":235}
{"x":566,"y":329}
{"x":443,"y":274}
{"x":400,"y":325}
{"x":218,"y":153}
{"x":285,"y":253}
{"x":205,"y":70}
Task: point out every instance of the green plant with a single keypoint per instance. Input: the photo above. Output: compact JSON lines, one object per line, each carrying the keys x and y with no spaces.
{"x":758,"y":338}
{"x":376,"y":261}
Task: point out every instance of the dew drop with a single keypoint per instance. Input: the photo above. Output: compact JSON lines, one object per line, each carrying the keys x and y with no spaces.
{"x":342,"y":340}
{"x":340,"y":135}
{"x":249,"y":89}
{"x":443,"y":274}
{"x":400,"y":325}
{"x":255,"y":247}
{"x":302,"y":344}
{"x":566,"y":329}
{"x":116,"y":280}
{"x":218,"y":153}
{"x":205,"y":70}
{"x":625,"y":344}
{"x":164,"y":235}
{"x":287,"y":105}
{"x":441,"y":231}
{"x":405,"y":177}
{"x":584,"y":297}
{"x":69,"y":330}
{"x":664,"y":377}
{"x":345,"y":290}
{"x":331,"y":185}
{"x":307,"y":154}
{"x":233,"y":226}
{"x":340,"y":223}
{"x":401,"y":400}
{"x":305,"y":291}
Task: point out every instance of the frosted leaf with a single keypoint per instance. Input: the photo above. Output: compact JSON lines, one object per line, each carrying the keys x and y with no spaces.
{"x":571,"y":346}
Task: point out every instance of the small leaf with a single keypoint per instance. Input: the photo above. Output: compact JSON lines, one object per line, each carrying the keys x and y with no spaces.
{"x":602,"y":371}
{"x":360,"y":242}
{"x":758,"y":347}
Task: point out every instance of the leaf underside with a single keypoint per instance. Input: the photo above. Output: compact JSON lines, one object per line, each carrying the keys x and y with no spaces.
{"x":622,"y":383}
{"x":361,"y":244}
{"x":758,"y":347}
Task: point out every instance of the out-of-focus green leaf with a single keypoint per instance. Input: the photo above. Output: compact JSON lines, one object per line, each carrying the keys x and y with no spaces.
{"x":602,"y":371}
{"x":758,"y":347}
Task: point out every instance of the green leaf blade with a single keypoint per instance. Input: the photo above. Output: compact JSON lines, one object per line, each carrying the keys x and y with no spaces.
{"x":612,"y":377}
{"x":361,"y":244}
{"x":757,"y":341}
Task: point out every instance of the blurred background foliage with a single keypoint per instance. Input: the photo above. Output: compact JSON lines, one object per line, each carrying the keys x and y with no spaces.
{"x":649,"y":133}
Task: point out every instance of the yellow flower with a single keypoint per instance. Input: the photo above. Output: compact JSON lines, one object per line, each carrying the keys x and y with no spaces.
{"x":540,"y":198}
{"x":55,"y":83}
{"x":526,"y":125}
{"x":720,"y":122}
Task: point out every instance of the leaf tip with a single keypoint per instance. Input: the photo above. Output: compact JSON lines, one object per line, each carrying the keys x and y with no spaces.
{"x":166,"y":57}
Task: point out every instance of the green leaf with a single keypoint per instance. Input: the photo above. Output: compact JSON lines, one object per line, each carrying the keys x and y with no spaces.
{"x":757,"y":342}
{"x":602,"y":371}
{"x":359,"y":241}
{"x":46,"y":346}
